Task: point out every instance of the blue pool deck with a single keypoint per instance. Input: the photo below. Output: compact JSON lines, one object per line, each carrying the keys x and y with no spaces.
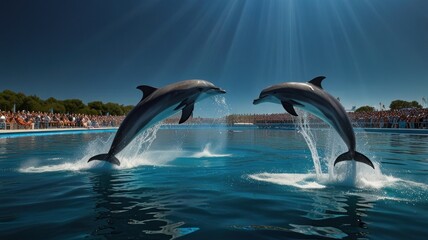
{"x":52,"y":131}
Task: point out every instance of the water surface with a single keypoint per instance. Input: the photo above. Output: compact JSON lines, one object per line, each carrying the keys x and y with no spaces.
{"x":215,"y":183}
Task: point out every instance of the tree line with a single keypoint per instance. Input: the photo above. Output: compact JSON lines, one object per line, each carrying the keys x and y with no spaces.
{"x":9,"y":99}
{"x":21,"y":101}
{"x":395,"y":105}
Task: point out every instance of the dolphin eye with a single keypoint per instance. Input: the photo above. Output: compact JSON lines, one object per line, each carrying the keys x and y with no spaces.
{"x":200,"y":89}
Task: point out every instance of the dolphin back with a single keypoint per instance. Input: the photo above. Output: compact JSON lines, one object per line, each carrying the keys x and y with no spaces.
{"x":359,"y":157}
{"x":106,"y":157}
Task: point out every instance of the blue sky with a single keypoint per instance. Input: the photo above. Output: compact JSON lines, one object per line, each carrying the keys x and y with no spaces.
{"x":371,"y":51}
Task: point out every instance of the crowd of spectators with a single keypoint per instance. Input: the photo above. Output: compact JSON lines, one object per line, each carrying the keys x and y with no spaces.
{"x":405,"y":118}
{"x":414,"y":118}
{"x":41,"y":120}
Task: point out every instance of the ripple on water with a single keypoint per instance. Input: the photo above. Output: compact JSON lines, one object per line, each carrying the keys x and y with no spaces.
{"x":261,"y":186}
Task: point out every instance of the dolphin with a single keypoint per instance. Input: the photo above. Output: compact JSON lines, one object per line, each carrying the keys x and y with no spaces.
{"x":311,"y":97}
{"x":156,"y":105}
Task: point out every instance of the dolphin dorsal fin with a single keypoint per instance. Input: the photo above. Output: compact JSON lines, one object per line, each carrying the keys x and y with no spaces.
{"x":186,"y":113}
{"x":288,"y":106}
{"x":147,"y":90}
{"x":317,"y":81}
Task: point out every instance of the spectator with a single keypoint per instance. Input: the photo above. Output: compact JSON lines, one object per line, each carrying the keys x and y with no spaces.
{"x":2,"y":120}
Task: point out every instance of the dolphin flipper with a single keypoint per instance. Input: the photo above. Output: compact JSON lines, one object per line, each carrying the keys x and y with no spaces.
{"x":187,"y":111}
{"x":182,"y":104}
{"x":359,"y":157}
{"x":288,"y":106}
{"x":106,"y":157}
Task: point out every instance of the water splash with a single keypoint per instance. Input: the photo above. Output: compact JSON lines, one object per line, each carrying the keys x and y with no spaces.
{"x":349,"y":174}
{"x":222,"y":109}
{"x":379,"y":188}
{"x":135,"y":154}
{"x":76,"y":164}
{"x":302,"y":122}
{"x":207,"y":153}
{"x":217,"y":142}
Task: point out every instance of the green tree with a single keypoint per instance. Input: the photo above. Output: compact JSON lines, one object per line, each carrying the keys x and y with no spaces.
{"x":74,"y":105}
{"x":415,"y":104}
{"x":13,"y":98}
{"x":400,"y":104}
{"x":127,"y":109}
{"x":88,"y":111}
{"x":98,"y":106}
{"x":30,"y":103}
{"x":5,"y":105}
{"x":33,"y":103}
{"x":57,"y":107}
{"x":51,"y":100}
{"x":9,"y":95}
{"x":365,"y":109}
{"x":114,"y":108}
{"x":53,"y":104}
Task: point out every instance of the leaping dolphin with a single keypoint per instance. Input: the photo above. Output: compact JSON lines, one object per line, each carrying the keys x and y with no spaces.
{"x":311,"y":97}
{"x":156,"y":105}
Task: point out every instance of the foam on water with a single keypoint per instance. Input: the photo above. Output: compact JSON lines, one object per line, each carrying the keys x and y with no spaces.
{"x":312,"y":181}
{"x":207,"y":153}
{"x":304,"y":181}
{"x":349,"y":173}
{"x":135,"y":154}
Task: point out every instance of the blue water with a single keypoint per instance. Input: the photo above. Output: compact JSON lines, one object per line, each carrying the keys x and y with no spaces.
{"x":215,"y":183}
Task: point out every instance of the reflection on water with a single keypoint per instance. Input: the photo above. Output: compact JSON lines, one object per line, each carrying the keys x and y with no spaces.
{"x":412,"y":144}
{"x":123,"y":210}
{"x":337,"y":216}
{"x":340,"y":216}
{"x":404,"y":150}
{"x":126,"y":208}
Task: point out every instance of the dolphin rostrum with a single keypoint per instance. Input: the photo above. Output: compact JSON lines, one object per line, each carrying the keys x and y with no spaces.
{"x":156,"y":105}
{"x":311,"y":97}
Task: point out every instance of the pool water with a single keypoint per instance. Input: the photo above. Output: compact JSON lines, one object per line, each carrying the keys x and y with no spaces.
{"x":214,"y":183}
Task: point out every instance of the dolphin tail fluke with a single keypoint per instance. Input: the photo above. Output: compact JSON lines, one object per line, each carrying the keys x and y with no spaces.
{"x":106,"y":157}
{"x":359,"y":157}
